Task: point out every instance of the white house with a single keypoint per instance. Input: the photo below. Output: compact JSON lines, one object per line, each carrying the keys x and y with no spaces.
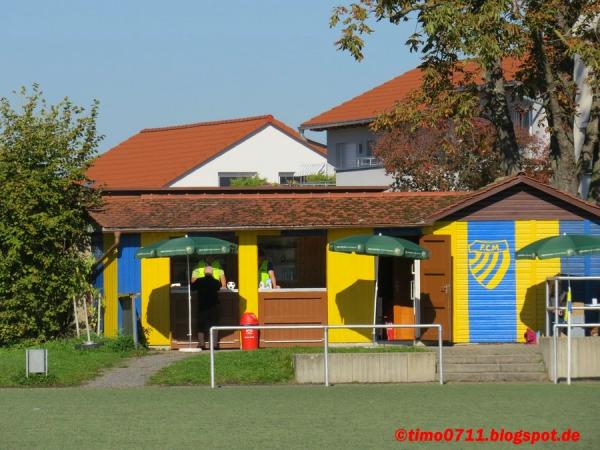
{"x":209,"y":154}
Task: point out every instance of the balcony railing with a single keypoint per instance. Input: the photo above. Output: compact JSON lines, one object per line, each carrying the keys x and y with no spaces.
{"x":368,"y":161}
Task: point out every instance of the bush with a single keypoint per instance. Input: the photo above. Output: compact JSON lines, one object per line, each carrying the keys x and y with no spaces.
{"x":35,"y":379}
{"x":249,"y":181}
{"x":121,"y":344}
{"x":320,"y":178}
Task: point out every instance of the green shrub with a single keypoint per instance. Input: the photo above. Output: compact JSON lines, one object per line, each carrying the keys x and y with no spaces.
{"x":35,"y":379}
{"x":320,"y":178}
{"x":249,"y":181}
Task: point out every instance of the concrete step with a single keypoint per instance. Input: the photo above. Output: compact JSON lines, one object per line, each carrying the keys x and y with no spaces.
{"x":491,"y":359}
{"x":501,"y":349}
{"x":494,"y":377}
{"x":490,"y":368}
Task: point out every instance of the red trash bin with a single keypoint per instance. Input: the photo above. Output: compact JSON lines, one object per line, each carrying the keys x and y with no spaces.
{"x":249,"y":338}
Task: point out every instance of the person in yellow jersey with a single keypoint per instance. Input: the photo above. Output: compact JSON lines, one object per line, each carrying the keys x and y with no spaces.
{"x":217,"y":272}
{"x":266,"y":273}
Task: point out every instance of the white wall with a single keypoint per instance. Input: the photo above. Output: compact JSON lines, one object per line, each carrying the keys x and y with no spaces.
{"x":355,"y":135}
{"x":363,"y":177}
{"x":268,"y":152}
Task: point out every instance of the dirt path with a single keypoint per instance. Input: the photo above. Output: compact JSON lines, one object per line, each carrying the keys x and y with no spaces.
{"x":135,"y":372}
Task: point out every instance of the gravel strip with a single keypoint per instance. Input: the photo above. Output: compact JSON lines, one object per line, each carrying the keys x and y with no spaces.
{"x":137,"y":370}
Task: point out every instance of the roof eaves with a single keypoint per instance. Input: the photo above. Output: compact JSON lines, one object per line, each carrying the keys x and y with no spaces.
{"x":316,"y":126}
{"x":258,"y":227}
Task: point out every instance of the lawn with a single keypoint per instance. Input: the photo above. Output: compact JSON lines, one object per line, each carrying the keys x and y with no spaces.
{"x":67,"y":366}
{"x":264,"y":366}
{"x":345,"y":416}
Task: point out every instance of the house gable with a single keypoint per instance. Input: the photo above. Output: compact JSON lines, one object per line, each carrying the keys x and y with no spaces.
{"x":267,"y":152}
{"x":519,"y":198}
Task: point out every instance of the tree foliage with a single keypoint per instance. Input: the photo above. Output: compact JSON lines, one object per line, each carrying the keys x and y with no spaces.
{"x":544,"y":36}
{"x":44,"y":154}
{"x":442,"y":158}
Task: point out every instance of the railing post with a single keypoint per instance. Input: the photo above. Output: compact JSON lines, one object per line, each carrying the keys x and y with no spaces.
{"x":554,"y":353}
{"x":441,"y":360}
{"x":212,"y":358}
{"x":326,"y":354}
{"x":569,"y":332}
{"x":547,"y":315}
{"x":555,"y":300}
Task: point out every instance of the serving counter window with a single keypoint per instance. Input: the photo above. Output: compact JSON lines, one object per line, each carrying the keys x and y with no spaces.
{"x":299,"y":265}
{"x":179,"y":268}
{"x":298,"y":261}
{"x":229,"y":304}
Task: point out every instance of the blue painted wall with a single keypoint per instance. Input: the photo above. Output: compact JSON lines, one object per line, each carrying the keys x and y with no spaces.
{"x":97,"y":251}
{"x":583,"y":291}
{"x":129,"y":271}
{"x":491,"y":281}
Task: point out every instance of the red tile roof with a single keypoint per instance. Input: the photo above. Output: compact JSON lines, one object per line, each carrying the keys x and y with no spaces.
{"x":204,"y":210}
{"x":223,"y":211}
{"x":367,"y":106}
{"x":155,"y":157}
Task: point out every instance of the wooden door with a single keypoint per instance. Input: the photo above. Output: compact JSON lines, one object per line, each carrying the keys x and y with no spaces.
{"x":436,"y":286}
{"x":403,"y":303}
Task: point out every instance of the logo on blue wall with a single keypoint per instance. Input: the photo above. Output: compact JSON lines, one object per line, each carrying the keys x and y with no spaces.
{"x":489,"y":261}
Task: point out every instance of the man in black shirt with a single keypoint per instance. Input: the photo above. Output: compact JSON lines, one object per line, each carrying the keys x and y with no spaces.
{"x":208,"y":302}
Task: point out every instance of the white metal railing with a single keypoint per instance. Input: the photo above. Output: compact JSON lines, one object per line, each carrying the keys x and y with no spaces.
{"x":555,"y":282}
{"x":368,"y":161}
{"x":325,"y":329}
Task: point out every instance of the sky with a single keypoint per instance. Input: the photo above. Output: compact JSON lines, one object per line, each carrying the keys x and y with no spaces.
{"x":159,"y":63}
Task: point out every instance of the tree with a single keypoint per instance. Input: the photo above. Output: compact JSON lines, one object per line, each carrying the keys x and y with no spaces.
{"x":44,"y":154}
{"x":440,"y":158}
{"x":544,"y":36}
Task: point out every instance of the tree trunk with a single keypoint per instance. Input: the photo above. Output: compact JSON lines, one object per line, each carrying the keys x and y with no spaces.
{"x":560,"y":122}
{"x":497,"y":110}
{"x":591,"y":146}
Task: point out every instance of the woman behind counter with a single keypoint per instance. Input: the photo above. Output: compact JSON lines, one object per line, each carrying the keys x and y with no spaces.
{"x":266,"y":273}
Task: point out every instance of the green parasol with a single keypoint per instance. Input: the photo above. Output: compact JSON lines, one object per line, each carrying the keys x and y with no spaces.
{"x":561,"y":246}
{"x":186,"y":246}
{"x":378,"y":245}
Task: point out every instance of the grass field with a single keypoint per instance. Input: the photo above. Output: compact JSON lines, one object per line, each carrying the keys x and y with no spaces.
{"x":350,"y":416}
{"x":264,"y":366}
{"x":67,"y":365}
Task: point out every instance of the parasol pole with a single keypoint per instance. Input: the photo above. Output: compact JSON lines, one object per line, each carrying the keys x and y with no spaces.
{"x":187,"y":257}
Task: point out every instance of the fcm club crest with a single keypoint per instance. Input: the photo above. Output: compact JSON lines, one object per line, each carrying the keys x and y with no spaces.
{"x":489,"y":261}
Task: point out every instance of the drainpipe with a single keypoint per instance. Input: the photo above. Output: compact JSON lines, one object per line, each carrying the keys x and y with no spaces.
{"x":109,"y":251}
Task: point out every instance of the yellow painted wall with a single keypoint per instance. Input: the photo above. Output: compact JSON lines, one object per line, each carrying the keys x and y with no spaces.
{"x":460,"y":280}
{"x":530,"y":275}
{"x":350,"y":285}
{"x":110,"y":289}
{"x":248,"y":268}
{"x":248,"y":271}
{"x":155,"y":279}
